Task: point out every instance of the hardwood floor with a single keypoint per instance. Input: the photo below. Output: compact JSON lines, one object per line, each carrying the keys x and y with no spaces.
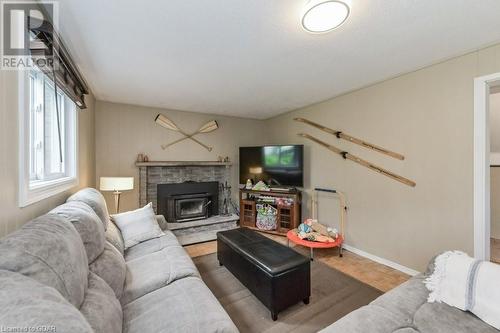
{"x":201,"y":249}
{"x":367,"y":271}
{"x":495,"y":250}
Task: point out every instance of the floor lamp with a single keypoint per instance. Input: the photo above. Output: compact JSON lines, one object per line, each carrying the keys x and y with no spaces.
{"x":116,"y":185}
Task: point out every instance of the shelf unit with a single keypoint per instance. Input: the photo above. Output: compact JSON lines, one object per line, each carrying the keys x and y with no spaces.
{"x":288,"y":218}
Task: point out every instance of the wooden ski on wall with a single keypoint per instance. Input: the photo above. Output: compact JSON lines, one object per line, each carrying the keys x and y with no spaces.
{"x":360,"y":161}
{"x":352,"y":139}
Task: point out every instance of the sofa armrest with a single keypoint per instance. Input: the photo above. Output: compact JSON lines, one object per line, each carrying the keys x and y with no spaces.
{"x":431,"y":266}
{"x":162,"y":222}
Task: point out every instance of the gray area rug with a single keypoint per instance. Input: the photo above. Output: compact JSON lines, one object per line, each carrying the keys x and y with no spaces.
{"x":333,"y":295}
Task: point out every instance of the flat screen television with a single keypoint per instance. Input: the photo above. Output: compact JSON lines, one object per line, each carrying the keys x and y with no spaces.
{"x":277,"y":166}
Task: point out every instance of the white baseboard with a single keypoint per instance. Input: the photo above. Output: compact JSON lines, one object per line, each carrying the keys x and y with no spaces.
{"x":380,"y":260}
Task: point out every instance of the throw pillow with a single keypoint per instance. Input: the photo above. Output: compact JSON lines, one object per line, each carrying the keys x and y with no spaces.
{"x":138,"y":225}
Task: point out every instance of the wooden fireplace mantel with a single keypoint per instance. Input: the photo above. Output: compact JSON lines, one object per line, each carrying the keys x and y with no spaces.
{"x":181,"y":163}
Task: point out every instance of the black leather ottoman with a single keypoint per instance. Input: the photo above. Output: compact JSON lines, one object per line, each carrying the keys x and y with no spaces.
{"x":277,"y":275}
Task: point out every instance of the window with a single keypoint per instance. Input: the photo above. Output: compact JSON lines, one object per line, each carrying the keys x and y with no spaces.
{"x":47,"y":139}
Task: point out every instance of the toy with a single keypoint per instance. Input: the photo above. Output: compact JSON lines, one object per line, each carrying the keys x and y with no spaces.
{"x":260,"y":186}
{"x":324,"y":230}
{"x":283,"y":202}
{"x":266,"y":217}
{"x":316,"y":232}
{"x":304,"y":229}
{"x":313,"y":234}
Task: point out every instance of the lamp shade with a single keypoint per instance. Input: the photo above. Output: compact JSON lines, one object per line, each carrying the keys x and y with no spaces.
{"x":255,"y":170}
{"x":116,"y":183}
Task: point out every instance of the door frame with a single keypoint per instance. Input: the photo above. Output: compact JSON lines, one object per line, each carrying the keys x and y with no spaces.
{"x":482,"y":218}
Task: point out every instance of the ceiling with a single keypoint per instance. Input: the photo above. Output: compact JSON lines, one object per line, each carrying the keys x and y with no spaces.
{"x":252,"y":58}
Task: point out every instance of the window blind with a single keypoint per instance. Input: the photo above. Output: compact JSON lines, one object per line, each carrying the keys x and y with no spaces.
{"x":51,"y":56}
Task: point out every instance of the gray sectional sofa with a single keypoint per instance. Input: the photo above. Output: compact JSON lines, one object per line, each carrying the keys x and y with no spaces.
{"x":405,"y":310}
{"x":67,"y":271}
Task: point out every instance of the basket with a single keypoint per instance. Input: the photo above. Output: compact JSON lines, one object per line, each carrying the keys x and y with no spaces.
{"x":267,"y":217}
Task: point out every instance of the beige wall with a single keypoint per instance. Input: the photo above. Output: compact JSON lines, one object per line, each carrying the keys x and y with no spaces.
{"x":11,"y":216}
{"x":123,"y":131}
{"x":495,"y":171}
{"x":495,"y":202}
{"x":426,"y":115}
{"x":495,"y":122}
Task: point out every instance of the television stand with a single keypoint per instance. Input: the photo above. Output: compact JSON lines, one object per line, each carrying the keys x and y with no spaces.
{"x":289,"y":216}
{"x":283,"y":189}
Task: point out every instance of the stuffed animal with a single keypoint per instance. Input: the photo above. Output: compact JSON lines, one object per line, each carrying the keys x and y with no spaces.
{"x":304,"y":228}
{"x":324,"y":230}
{"x":313,"y":231}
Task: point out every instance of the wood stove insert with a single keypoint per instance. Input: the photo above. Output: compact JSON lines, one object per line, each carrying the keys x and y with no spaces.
{"x":189,"y":201}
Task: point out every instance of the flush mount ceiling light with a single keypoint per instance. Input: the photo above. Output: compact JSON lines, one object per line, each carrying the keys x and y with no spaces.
{"x":324,"y":15}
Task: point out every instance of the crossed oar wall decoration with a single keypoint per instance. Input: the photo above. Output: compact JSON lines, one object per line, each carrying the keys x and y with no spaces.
{"x":163,"y":121}
{"x":348,"y":156}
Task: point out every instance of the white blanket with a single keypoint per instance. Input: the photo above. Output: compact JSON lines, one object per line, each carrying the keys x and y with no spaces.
{"x":468,"y":284}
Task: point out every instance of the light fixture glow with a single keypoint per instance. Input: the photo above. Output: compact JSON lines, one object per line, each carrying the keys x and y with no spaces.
{"x":324,"y":15}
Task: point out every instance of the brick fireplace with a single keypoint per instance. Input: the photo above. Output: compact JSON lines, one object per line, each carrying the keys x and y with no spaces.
{"x":189,"y":195}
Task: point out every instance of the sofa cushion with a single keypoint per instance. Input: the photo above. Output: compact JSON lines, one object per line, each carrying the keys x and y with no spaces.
{"x":156,"y":270}
{"x":152,"y":245}
{"x":405,"y":310}
{"x":95,"y":200}
{"x":110,"y":266}
{"x":440,"y":317}
{"x":49,"y":250}
{"x":138,"y":225}
{"x":101,"y":308}
{"x":88,"y":225}
{"x":26,"y":303}
{"x":185,"y":305}
{"x":406,"y":299}
{"x":114,"y":236}
{"x":373,"y":319}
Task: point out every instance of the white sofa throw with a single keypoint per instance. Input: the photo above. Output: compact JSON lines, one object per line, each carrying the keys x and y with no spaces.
{"x":468,"y":284}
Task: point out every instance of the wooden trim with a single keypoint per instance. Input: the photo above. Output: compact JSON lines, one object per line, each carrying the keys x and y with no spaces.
{"x":181,"y":163}
{"x":482,"y":165}
{"x":272,"y":193}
